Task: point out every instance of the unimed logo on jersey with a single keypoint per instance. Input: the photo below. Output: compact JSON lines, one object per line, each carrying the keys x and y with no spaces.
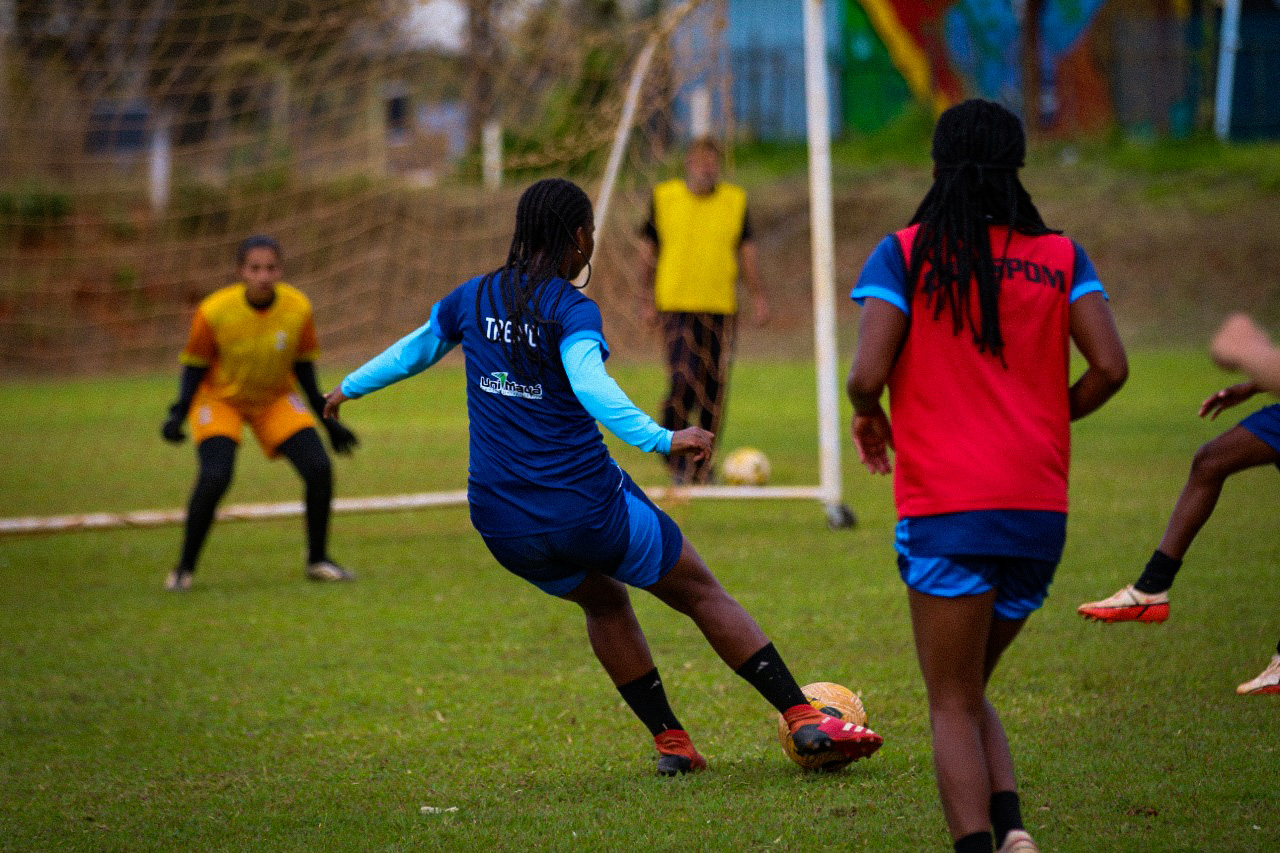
{"x":498,"y":383}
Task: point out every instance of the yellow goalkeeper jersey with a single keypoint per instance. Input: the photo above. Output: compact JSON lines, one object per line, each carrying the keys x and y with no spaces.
{"x":250,"y":353}
{"x":698,"y":241}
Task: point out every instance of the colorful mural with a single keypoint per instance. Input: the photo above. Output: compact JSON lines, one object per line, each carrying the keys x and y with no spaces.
{"x":946,"y":50}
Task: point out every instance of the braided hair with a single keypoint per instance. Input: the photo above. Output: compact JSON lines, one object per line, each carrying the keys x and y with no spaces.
{"x":978,"y":147}
{"x":547,"y":215}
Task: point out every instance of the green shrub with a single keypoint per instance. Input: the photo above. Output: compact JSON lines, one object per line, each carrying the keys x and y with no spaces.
{"x":32,"y":210}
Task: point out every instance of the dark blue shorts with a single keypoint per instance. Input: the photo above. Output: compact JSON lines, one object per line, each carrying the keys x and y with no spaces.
{"x":634,"y":542}
{"x":1265,"y":424}
{"x":1021,"y":583}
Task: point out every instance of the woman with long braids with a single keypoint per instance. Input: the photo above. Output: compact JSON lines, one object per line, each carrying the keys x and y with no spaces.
{"x":967,"y":317}
{"x":548,"y":500}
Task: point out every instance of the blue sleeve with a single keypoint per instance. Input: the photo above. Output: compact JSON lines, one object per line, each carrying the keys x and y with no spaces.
{"x":604,"y":400}
{"x":1086,"y":277}
{"x":409,"y":356}
{"x":884,"y":276}
{"x":578,"y":314}
{"x":446,"y":317}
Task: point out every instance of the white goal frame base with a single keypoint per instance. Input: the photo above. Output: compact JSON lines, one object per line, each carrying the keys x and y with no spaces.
{"x":837,"y":515}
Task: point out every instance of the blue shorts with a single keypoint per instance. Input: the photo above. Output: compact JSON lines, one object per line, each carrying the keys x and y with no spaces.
{"x":1265,"y":424}
{"x":1021,"y":583}
{"x":634,"y":542}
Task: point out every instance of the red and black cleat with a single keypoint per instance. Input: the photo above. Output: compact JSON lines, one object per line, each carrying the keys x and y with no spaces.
{"x":676,"y":754}
{"x":814,"y":732}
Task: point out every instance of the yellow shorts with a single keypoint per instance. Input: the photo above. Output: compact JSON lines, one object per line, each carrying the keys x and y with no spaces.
{"x":273,"y":424}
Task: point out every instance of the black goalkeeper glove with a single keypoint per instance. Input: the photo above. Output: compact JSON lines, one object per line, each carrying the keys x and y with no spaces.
{"x":172,"y":428}
{"x":342,"y":439}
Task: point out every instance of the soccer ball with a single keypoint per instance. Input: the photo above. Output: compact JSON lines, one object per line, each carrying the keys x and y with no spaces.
{"x":745,"y":466}
{"x":834,"y":700}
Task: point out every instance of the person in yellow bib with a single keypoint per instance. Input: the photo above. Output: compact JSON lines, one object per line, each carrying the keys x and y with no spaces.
{"x":251,"y":350}
{"x":697,"y":244}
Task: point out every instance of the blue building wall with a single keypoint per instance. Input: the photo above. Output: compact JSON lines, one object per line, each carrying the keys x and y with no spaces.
{"x":1255,"y":105}
{"x":765,"y":42}
{"x":766,"y":49}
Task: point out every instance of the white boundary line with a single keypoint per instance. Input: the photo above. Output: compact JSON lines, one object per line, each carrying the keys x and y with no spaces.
{"x":389,"y":503}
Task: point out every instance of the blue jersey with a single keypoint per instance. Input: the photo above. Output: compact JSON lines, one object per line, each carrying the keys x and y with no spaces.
{"x":538,"y":461}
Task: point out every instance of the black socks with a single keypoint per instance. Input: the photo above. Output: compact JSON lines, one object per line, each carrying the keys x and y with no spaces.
{"x":976,"y":842}
{"x":648,"y":700}
{"x":1006,"y":814}
{"x":766,"y":672}
{"x":1159,"y":574}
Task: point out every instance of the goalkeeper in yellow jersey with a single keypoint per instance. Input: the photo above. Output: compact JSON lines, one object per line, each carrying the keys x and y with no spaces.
{"x":250,"y":356}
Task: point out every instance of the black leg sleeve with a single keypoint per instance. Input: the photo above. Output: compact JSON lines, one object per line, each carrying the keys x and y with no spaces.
{"x":217,"y":463}
{"x":306,"y":451}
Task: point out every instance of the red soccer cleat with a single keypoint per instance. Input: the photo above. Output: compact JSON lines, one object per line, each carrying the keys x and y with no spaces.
{"x":813,"y":732}
{"x":676,"y":754}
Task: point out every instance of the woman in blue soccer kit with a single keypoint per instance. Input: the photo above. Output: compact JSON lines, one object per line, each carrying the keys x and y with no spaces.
{"x":551,"y":504}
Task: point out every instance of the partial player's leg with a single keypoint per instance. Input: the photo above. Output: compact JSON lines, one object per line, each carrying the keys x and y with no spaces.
{"x":306,"y":452}
{"x":690,"y":588}
{"x":612,"y":627}
{"x":954,"y":645}
{"x":715,"y":343}
{"x":286,"y":428}
{"x":1147,"y":600}
{"x":693,"y":590}
{"x":217,"y":458}
{"x":682,"y":393}
{"x":620,"y":646}
{"x":1005,"y":808}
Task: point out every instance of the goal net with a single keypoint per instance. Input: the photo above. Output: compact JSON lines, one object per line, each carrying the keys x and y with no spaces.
{"x":383,"y":142}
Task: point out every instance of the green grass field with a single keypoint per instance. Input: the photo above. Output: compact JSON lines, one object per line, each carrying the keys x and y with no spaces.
{"x":260,"y":712}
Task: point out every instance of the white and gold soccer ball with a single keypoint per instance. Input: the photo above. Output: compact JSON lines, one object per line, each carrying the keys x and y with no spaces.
{"x":745,"y":466}
{"x":834,"y":700}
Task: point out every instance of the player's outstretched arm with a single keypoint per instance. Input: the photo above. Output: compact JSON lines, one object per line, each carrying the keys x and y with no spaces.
{"x":605,"y":401}
{"x":409,"y":356}
{"x":1241,"y":344}
{"x":1093,"y":330}
{"x":1232,"y":395}
{"x":332,"y":402}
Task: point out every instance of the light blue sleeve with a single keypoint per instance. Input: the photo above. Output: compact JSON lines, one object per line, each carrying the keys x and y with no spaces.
{"x":409,"y":356}
{"x":604,"y":400}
